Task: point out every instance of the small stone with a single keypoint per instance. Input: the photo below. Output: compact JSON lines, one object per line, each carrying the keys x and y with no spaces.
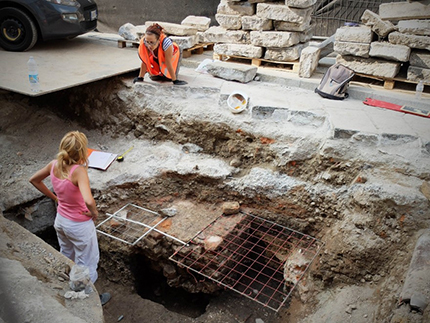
{"x":235,"y":162}
{"x":168,"y":212}
{"x":114,"y":223}
{"x":162,"y":127}
{"x":326,"y":176}
{"x":212,"y":242}
{"x":230,"y":208}
{"x":360,"y":179}
{"x":191,"y":148}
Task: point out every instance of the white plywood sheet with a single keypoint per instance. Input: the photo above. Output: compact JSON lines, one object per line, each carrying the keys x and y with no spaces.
{"x":64,"y":64}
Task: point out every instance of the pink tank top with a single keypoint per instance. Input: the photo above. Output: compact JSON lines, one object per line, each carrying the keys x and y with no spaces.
{"x":71,"y":204}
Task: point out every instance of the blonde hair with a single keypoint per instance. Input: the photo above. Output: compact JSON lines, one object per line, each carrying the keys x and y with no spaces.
{"x":73,"y":150}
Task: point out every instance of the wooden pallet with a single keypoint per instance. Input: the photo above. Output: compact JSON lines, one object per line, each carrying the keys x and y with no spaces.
{"x":123,"y":43}
{"x":288,"y":66}
{"x":197,"y":49}
{"x":387,"y":83}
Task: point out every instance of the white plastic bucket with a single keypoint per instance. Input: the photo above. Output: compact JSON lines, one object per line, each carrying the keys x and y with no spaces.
{"x":237,"y":101}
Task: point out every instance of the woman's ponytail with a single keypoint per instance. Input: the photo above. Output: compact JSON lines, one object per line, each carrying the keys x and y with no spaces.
{"x":73,"y":150}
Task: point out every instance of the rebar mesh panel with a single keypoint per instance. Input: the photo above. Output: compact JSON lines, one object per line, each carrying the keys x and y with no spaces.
{"x":252,"y":258}
{"x":129,"y":224}
{"x":328,"y":15}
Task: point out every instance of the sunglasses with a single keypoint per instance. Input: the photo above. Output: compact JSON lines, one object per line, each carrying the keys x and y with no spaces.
{"x":151,"y":43}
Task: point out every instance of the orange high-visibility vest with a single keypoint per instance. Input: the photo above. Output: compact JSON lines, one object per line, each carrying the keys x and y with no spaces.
{"x":151,"y":65}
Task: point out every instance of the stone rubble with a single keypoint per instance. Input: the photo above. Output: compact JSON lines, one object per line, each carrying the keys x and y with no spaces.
{"x":406,"y":43}
{"x":280,"y":32}
{"x":258,"y":30}
{"x":186,"y":35}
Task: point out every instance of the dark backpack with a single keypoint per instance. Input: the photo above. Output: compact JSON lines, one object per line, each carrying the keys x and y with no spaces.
{"x":335,"y":82}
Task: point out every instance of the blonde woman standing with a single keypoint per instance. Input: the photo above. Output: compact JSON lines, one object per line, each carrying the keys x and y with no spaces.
{"x":76,"y":211}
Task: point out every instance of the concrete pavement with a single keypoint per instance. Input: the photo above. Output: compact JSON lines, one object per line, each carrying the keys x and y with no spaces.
{"x":64,"y":64}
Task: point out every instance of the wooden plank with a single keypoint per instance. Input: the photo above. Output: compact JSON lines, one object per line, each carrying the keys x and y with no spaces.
{"x":123,"y":43}
{"x":197,"y":49}
{"x":387,"y":83}
{"x":186,"y":54}
{"x":256,"y":62}
{"x":260,"y":62}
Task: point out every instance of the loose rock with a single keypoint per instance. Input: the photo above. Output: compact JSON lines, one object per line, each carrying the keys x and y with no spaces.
{"x":229,"y":208}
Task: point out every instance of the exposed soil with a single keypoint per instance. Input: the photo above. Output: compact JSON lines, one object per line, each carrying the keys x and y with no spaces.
{"x":369,"y":234}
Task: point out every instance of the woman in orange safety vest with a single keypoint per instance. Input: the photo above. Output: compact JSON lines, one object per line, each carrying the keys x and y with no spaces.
{"x":160,"y":56}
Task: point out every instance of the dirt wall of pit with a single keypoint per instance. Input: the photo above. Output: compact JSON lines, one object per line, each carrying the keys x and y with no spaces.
{"x":113,"y":13}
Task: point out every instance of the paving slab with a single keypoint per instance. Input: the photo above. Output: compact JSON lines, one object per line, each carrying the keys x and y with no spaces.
{"x":64,"y":64}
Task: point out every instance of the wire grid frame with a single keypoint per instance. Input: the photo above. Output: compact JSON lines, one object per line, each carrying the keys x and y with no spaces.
{"x":329,"y":15}
{"x":251,"y":259}
{"x":130,"y":224}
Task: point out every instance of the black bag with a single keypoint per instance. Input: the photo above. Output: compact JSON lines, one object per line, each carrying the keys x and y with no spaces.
{"x":335,"y":82}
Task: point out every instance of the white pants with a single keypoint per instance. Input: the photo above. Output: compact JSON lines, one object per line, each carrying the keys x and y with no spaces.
{"x":78,"y":242}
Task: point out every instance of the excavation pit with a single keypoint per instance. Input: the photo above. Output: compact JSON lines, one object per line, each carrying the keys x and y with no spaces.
{"x":254,"y":257}
{"x":360,"y":193}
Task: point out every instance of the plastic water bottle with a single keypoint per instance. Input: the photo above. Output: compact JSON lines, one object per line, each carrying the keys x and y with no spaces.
{"x":33,"y":75}
{"x":419,"y":90}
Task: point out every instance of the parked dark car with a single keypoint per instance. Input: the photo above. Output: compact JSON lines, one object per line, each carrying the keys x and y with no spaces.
{"x":24,"y":22}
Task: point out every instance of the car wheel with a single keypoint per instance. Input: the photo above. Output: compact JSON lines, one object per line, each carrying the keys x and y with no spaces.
{"x":18,"y":32}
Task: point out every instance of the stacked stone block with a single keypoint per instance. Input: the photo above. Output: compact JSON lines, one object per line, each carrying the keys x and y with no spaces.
{"x":387,"y":41}
{"x":185,"y":34}
{"x":273,"y":30}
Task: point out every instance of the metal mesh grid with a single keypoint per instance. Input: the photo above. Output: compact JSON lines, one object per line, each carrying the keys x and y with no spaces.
{"x":251,"y":258}
{"x":130,"y":224}
{"x":328,"y":15}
